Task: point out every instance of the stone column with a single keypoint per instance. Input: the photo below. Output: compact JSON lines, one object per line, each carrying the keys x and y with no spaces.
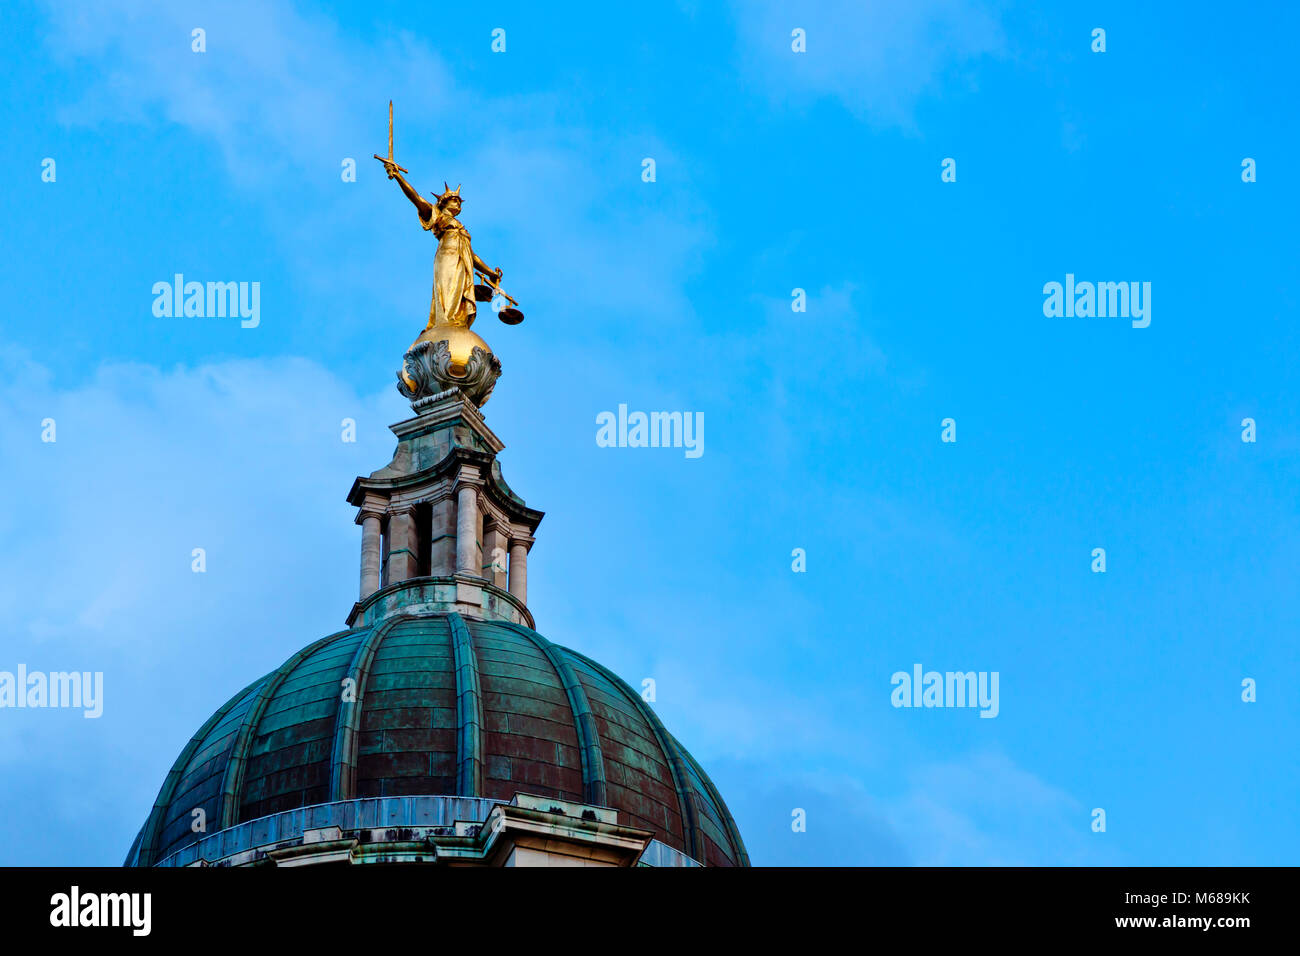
{"x":519,"y":568}
{"x":401,"y":546}
{"x":370,"y":554}
{"x":467,"y":548}
{"x":442,"y":534}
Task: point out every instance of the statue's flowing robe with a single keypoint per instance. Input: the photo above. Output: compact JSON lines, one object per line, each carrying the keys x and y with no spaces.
{"x":453,"y":272}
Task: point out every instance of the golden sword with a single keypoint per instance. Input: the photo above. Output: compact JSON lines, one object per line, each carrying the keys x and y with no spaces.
{"x":390,"y":142}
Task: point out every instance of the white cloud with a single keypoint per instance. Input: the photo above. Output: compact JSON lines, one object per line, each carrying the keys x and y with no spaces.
{"x":983,"y":809}
{"x":275,"y":89}
{"x":977,"y":809}
{"x":878,"y":58}
{"x":242,"y":458}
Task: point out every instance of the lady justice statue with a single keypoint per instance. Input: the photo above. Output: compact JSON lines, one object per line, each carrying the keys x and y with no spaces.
{"x":447,"y":353}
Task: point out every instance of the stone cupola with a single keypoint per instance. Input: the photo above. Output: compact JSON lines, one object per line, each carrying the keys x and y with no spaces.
{"x":440,"y":528}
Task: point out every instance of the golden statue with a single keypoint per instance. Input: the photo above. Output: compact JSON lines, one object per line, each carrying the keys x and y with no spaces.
{"x":455,"y":298}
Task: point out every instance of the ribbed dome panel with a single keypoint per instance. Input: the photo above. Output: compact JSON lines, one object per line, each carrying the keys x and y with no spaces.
{"x":437,"y":704}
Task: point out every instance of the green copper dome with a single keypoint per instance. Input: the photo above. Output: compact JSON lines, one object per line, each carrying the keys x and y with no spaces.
{"x":436,"y":705}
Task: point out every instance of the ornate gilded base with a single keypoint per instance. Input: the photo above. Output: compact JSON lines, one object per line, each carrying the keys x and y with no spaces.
{"x":427,"y":370}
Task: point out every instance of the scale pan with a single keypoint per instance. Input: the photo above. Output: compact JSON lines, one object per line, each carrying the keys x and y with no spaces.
{"x":510,"y":316}
{"x":483,"y":293}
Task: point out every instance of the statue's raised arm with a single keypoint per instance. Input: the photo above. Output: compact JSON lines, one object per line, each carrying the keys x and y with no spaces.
{"x":422,"y":204}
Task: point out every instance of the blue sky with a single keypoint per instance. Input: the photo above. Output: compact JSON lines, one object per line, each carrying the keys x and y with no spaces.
{"x":774,"y":171}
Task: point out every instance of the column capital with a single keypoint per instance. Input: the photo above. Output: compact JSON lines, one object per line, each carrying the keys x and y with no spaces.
{"x":464,"y":480}
{"x":524,"y":540}
{"x":441,"y":493}
{"x":371,"y":505}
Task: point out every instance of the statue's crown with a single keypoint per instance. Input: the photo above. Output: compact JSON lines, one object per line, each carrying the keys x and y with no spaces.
{"x":448,"y":192}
